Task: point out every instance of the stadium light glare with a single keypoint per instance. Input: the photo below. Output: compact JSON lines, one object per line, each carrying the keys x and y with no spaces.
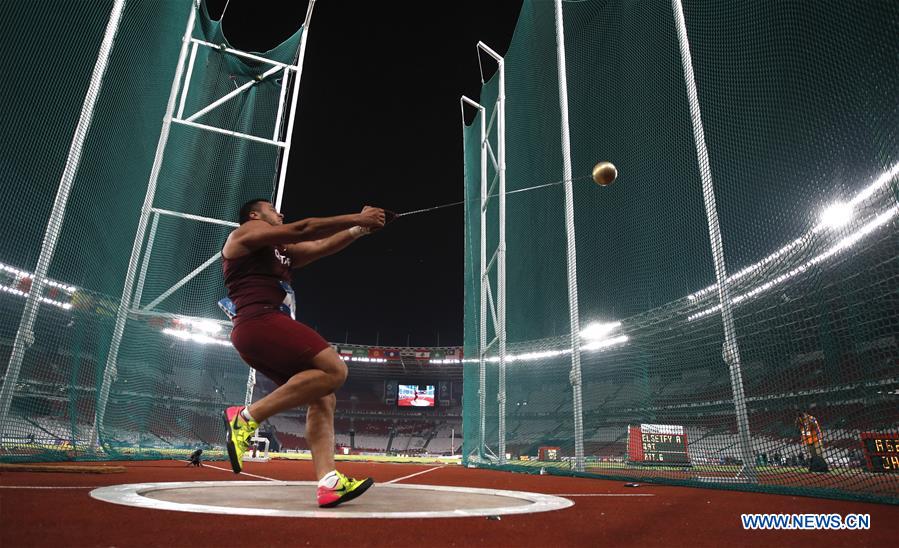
{"x":364,"y":359}
{"x":22,"y":274}
{"x":532,"y":356}
{"x":605,"y":343}
{"x":206,"y":326}
{"x":592,"y":346}
{"x":195,"y":337}
{"x":14,"y":291}
{"x":11,"y":270}
{"x":837,"y":215}
{"x":598,"y":331}
{"x":880,"y":183}
{"x":845,"y":243}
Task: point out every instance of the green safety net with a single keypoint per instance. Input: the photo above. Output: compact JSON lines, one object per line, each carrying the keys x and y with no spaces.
{"x":173,"y":369}
{"x":797,"y":105}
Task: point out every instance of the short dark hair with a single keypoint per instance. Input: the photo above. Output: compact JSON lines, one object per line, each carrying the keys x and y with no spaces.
{"x":249,"y":207}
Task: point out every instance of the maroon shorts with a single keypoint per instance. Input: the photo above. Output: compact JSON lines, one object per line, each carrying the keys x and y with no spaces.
{"x":276,"y":345}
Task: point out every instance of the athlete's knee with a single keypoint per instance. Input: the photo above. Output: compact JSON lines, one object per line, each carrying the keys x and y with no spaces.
{"x":339,"y":374}
{"x":330,"y":363}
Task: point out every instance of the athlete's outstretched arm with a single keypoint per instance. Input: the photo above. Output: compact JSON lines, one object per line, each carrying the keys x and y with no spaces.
{"x":304,"y":253}
{"x":254,"y":234}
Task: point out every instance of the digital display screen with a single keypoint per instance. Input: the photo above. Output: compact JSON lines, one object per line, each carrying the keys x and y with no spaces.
{"x":415,"y":395}
{"x":881,"y":452}
{"x":658,"y":444}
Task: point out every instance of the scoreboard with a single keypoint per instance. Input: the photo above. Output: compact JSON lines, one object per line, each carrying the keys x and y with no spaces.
{"x":663,"y":444}
{"x":549,"y":453}
{"x":881,"y":452}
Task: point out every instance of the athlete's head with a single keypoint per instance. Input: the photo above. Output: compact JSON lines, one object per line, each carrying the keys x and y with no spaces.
{"x":260,"y":209}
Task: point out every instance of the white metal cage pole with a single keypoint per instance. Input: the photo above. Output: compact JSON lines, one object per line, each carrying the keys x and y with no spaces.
{"x":25,"y":334}
{"x":482,"y":328}
{"x":573,"y":311}
{"x":109,"y":373}
{"x":251,"y":383}
{"x":501,"y":258}
{"x":501,"y":247}
{"x":285,"y":153}
{"x":145,"y":265}
{"x":731,"y":351}
{"x":482,"y":351}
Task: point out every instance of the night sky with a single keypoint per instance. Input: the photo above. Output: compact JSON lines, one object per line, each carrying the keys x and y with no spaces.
{"x":379,"y":123}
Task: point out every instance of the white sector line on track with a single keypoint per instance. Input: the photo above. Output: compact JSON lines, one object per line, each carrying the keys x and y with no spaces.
{"x":273,"y":479}
{"x":413,"y":475}
{"x":603,"y":495}
{"x":50,"y":487}
{"x":242,"y":473}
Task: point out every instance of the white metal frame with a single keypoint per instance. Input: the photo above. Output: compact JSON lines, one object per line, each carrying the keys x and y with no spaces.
{"x":156,"y":212}
{"x":265,"y":443}
{"x":498,"y":258}
{"x":131,"y":296}
{"x":25,"y":333}
{"x":731,"y":350}
{"x":191,"y":120}
{"x":291,"y":119}
{"x":482,"y":328}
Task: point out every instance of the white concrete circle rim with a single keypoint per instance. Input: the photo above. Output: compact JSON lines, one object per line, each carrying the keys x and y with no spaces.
{"x":131,"y":494}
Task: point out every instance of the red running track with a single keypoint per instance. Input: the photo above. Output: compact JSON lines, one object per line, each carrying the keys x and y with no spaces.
{"x":55,"y":509}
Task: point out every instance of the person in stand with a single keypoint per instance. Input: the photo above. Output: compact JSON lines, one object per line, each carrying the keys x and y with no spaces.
{"x":258,"y":257}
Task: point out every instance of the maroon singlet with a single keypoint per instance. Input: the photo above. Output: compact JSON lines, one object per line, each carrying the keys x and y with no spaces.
{"x":254,"y":281}
{"x":268,"y":339}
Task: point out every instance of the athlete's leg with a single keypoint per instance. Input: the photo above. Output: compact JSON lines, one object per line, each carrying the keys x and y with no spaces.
{"x":328,"y":373}
{"x":320,"y":434}
{"x":334,"y":488}
{"x":296,"y":358}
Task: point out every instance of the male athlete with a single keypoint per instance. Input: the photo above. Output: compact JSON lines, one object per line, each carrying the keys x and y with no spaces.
{"x":258,"y":257}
